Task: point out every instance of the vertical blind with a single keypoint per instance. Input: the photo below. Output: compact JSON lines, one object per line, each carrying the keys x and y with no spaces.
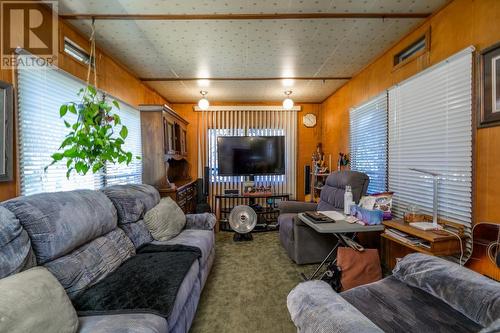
{"x":247,"y":122}
{"x":41,"y":91}
{"x":430,"y":128}
{"x":368,"y":141}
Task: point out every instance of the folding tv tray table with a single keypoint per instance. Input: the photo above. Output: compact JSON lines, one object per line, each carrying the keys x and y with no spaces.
{"x":344,"y":231}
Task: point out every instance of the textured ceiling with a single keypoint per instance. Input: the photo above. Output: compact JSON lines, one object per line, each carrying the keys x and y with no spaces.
{"x":247,"y":48}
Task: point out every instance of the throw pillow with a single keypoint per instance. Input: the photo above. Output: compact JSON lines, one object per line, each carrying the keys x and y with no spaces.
{"x":34,"y":301}
{"x":166,"y":220}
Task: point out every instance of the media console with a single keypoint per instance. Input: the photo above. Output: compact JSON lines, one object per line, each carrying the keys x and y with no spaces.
{"x":264,"y":204}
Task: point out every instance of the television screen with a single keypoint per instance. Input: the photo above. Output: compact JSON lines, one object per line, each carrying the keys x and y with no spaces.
{"x":251,"y":155}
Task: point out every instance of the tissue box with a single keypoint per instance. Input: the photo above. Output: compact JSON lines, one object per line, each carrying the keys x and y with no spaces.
{"x":368,"y":216}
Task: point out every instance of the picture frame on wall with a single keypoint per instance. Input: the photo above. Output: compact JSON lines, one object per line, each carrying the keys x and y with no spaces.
{"x":490,"y":86}
{"x":6,"y":132}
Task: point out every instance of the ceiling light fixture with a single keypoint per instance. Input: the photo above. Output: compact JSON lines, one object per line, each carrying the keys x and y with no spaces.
{"x":288,"y":102}
{"x":203,"y":103}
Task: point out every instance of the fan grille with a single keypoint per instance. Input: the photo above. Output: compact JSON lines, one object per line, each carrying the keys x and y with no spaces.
{"x":242,"y":219}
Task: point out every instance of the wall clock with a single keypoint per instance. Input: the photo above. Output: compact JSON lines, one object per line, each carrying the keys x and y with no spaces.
{"x":309,"y":120}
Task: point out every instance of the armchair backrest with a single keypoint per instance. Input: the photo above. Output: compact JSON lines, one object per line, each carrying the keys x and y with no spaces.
{"x":332,"y":194}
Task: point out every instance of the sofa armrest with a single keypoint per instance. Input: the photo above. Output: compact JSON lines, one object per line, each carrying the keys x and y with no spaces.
{"x":295,"y":207}
{"x":315,"y":307}
{"x":205,"y":221}
{"x":468,"y":292}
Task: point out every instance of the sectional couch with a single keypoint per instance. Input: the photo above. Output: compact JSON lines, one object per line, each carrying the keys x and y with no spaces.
{"x":423,"y":294}
{"x":82,"y":236}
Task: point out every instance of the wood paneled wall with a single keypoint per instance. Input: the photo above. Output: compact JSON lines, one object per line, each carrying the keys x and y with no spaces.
{"x":113,"y":78}
{"x":460,"y":24}
{"x":307,"y":138}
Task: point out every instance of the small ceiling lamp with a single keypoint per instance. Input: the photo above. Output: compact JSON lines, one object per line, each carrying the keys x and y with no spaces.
{"x":288,"y":102}
{"x":203,"y":103}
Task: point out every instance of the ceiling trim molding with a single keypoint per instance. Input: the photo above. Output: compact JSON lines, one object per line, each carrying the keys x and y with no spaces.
{"x":247,"y":108}
{"x":268,"y":16}
{"x":302,"y":78}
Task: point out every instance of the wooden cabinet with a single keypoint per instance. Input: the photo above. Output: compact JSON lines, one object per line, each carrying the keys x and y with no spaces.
{"x":185,"y":196}
{"x":164,"y":147}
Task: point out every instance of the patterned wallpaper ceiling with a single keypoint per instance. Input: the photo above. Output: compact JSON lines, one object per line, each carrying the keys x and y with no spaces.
{"x":247,"y":48}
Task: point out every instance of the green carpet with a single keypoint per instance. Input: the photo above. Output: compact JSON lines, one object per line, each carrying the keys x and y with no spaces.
{"x":247,"y":287}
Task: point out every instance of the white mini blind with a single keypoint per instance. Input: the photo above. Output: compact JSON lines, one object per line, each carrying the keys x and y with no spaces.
{"x":430,"y":128}
{"x":41,"y":91}
{"x":368,"y":141}
{"x":121,"y":173}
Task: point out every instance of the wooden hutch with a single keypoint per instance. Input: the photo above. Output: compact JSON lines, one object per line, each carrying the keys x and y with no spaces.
{"x":164,"y":151}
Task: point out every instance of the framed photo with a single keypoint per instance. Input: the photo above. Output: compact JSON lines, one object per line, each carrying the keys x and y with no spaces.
{"x":490,"y":86}
{"x":6,"y":132}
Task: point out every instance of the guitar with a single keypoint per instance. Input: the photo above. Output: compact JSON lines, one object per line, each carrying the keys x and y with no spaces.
{"x":485,"y":258}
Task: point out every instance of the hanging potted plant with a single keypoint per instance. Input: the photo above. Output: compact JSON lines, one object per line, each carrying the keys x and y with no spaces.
{"x":97,"y":136}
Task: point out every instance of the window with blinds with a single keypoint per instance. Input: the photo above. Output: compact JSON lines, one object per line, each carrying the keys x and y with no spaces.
{"x":41,"y":91}
{"x":121,"y":173}
{"x":430,"y":128}
{"x":368,"y":141}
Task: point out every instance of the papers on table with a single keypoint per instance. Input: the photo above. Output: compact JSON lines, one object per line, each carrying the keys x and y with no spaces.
{"x":334,"y":215}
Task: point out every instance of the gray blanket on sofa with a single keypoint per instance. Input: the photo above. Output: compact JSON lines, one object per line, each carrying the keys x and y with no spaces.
{"x":146,"y":283}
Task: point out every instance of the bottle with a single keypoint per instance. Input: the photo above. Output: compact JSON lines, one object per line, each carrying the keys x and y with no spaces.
{"x":347,"y":200}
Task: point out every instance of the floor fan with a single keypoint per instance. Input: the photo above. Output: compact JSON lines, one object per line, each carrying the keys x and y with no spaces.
{"x":242,"y":220}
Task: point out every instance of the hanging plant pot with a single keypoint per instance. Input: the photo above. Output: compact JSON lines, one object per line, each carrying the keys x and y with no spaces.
{"x":97,"y":136}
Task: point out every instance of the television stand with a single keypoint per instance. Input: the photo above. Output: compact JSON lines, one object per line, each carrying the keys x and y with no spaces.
{"x":264,"y":204}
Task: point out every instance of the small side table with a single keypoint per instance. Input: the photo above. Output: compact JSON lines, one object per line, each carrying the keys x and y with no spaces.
{"x":441,"y":243}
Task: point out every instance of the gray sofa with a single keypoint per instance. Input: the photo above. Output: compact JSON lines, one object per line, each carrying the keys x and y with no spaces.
{"x":424,"y":294}
{"x":304,"y":245}
{"x":82,"y":236}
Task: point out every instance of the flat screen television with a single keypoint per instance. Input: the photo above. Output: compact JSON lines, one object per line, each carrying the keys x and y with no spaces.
{"x":251,"y":155}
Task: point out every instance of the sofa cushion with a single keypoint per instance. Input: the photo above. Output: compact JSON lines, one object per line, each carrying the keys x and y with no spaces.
{"x":58,"y":223}
{"x":202,"y":239}
{"x":203,"y":221}
{"x":137,"y":232}
{"x":132,"y":201}
{"x":166,"y":220}
{"x":469,"y":292}
{"x":15,"y":247}
{"x":315,"y":308}
{"x":397,"y":307}
{"x":92,"y":262}
{"x":124,"y":323}
{"x":33,"y":301}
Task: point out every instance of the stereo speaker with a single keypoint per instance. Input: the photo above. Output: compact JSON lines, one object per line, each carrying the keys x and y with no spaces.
{"x":307,"y":179}
{"x":206,"y":179}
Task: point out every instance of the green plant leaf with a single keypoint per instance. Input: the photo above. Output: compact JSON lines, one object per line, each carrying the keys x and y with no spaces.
{"x":96,"y":167}
{"x":92,"y":90}
{"x":72,"y":109}
{"x":63,"y":110}
{"x":115,"y":103}
{"x":57,"y":156}
{"x":124,"y":132}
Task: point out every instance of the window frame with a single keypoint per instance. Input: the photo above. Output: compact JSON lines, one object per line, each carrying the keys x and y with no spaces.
{"x":427,"y":39}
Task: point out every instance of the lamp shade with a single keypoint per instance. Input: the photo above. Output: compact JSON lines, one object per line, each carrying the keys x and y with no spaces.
{"x":203,"y":103}
{"x":288,"y":104}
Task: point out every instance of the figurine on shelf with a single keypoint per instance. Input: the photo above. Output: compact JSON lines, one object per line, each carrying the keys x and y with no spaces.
{"x":344,"y":161}
{"x":318,"y":160}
